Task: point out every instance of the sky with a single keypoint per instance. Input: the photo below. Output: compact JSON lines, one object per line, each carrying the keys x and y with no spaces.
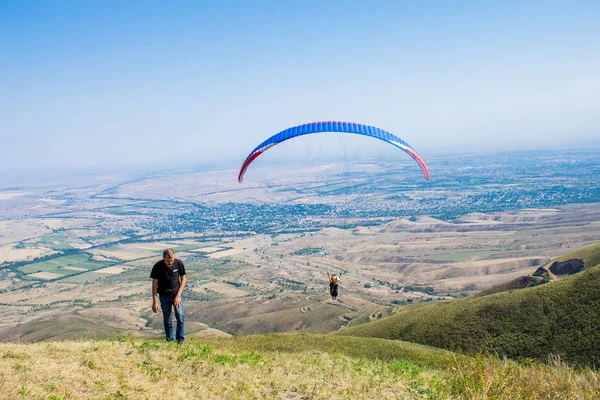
{"x":124,"y":83}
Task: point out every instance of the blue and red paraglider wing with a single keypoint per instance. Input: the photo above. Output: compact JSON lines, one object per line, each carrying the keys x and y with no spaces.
{"x":331,"y":126}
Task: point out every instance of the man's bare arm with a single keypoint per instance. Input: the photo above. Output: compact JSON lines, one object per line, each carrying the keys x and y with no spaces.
{"x":177,"y":300}
{"x":181,"y":285}
{"x":155,"y":295}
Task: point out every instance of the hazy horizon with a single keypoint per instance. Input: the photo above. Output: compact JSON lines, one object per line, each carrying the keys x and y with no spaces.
{"x":23,"y":177}
{"x":107,"y":84}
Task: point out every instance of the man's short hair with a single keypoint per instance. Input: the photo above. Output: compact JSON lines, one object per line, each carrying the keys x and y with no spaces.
{"x":168,"y":252}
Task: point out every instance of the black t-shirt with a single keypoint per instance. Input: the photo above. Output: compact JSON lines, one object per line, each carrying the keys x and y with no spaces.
{"x":168,"y":278}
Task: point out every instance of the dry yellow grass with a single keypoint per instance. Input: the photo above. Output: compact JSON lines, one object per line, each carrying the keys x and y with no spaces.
{"x":222,"y":288}
{"x":5,"y":283}
{"x":225,"y":253}
{"x":132,"y":251}
{"x":117,"y":269}
{"x":207,"y":250}
{"x":79,"y":269}
{"x":275,"y":367}
{"x":10,"y":253}
{"x":153,"y":370}
{"x":45,"y":275}
{"x":55,"y":292}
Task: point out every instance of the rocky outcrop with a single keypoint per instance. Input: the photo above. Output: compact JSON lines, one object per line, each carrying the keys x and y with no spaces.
{"x":566,"y":267}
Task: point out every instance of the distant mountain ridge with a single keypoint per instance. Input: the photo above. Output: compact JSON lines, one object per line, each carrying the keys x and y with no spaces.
{"x":558,"y":318}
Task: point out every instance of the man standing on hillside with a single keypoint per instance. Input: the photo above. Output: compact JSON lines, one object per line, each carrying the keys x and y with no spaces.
{"x":168,"y":281}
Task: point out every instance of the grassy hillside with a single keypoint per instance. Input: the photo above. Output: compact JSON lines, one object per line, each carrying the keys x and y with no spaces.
{"x":560,"y":318}
{"x":590,"y":255}
{"x":284,"y":312}
{"x":519,"y":283}
{"x":290,"y":366}
{"x":64,"y":327}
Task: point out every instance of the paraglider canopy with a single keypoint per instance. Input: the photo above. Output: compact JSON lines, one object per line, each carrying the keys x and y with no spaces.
{"x":331,"y":126}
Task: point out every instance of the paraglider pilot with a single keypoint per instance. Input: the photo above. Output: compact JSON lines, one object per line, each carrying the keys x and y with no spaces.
{"x":334,"y":285}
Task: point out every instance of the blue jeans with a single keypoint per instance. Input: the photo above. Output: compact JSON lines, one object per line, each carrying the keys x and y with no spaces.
{"x":166,"y":304}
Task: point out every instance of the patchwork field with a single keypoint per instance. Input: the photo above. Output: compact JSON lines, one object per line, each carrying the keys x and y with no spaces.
{"x":207,"y":250}
{"x":11,"y":253}
{"x":14,"y":231}
{"x":225,"y":253}
{"x":127,"y":252}
{"x":62,"y":266}
{"x":45,"y":275}
{"x":227,"y":290}
{"x":400,"y":261}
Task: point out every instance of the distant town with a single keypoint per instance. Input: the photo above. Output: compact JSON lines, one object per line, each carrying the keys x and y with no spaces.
{"x":458,"y":186}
